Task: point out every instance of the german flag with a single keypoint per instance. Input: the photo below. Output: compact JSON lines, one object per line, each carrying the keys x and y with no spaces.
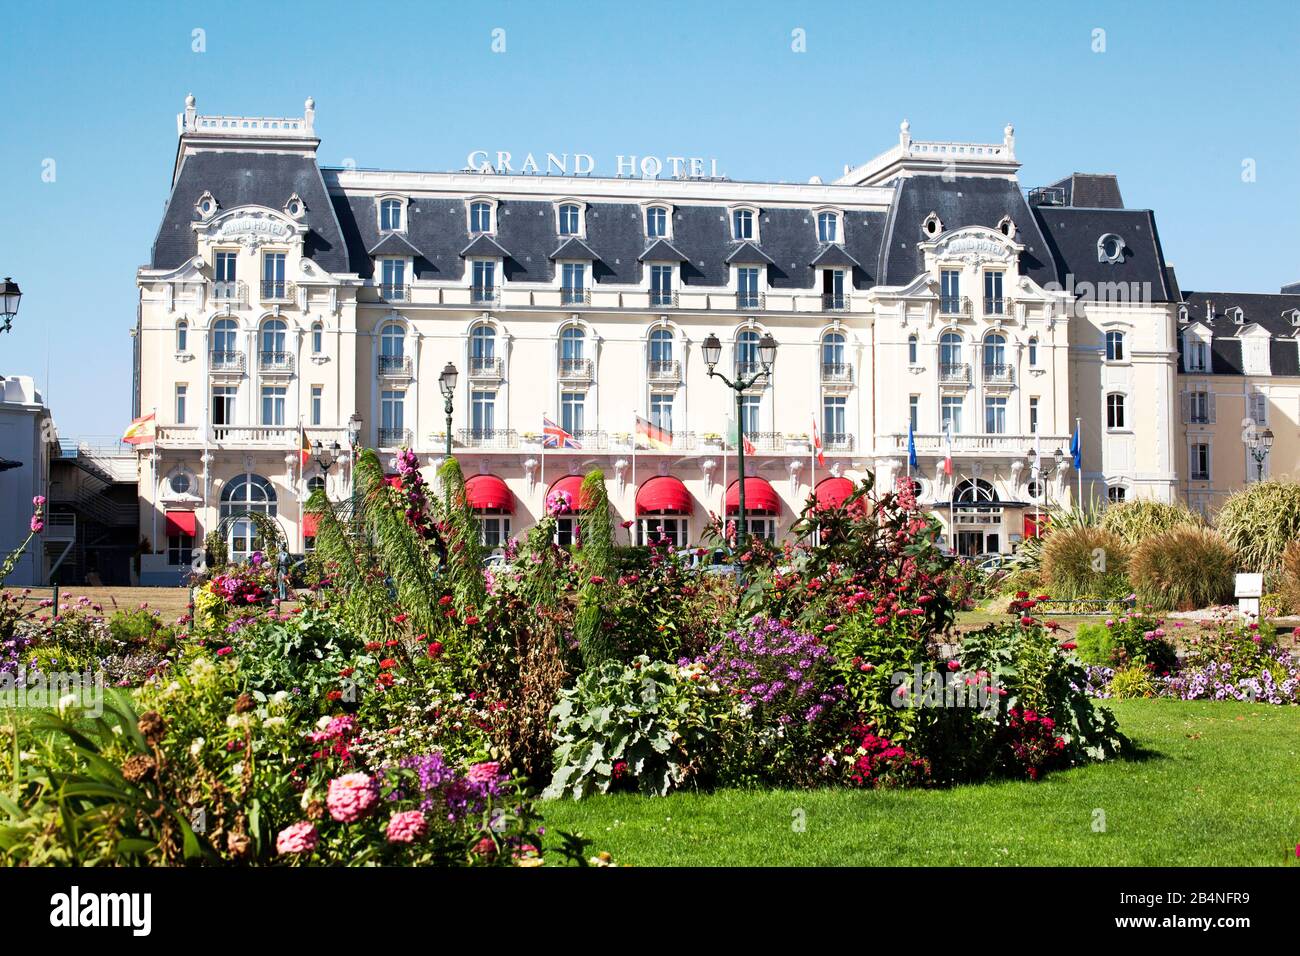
{"x":650,"y":435}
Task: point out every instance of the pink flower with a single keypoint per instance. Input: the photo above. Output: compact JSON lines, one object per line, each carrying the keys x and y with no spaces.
{"x":37,"y":525}
{"x":407,"y":827}
{"x":482,"y":773}
{"x":223,"y":651}
{"x":298,"y":837}
{"x":38,"y":501}
{"x":954,"y":665}
{"x":350,"y":796}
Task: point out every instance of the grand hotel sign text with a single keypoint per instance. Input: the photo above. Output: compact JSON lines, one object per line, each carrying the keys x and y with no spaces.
{"x":584,"y":164}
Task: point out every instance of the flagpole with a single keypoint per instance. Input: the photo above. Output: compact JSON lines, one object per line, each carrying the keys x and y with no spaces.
{"x":1078,"y":430}
{"x":542,"y":479}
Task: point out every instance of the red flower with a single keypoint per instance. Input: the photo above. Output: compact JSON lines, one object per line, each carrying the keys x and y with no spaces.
{"x":435,"y":649}
{"x":471,"y":621}
{"x":445,"y":600}
{"x":334,"y":695}
{"x":399,"y":619}
{"x":373,"y":645}
{"x":223,"y":651}
{"x":387,"y":664}
{"x":347,"y":672}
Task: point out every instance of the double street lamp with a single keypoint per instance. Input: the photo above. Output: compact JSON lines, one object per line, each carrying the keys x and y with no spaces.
{"x":10,"y":297}
{"x":447,"y":384}
{"x":712,"y":349}
{"x":1040,"y":481}
{"x":1259,"y":443}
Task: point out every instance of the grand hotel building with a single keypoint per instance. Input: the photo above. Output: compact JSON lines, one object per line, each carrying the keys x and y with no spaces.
{"x":924,"y":287}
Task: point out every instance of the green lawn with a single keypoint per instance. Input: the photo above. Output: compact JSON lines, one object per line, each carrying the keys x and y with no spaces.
{"x":1218,"y":785}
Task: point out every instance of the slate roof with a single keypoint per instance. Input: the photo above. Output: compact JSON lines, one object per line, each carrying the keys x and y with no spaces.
{"x":238,"y":178}
{"x":484,"y":246}
{"x":394,"y":244}
{"x":1269,"y":311}
{"x":661,"y":250}
{"x":959,"y":202}
{"x":1091,"y":190}
{"x":749,"y":254}
{"x":1072,"y":236}
{"x":834,"y":255}
{"x":574,"y":248}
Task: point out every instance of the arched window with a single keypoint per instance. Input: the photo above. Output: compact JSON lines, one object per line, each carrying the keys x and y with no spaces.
{"x":1115,"y":494}
{"x":912,"y":350}
{"x":569,"y":219}
{"x":482,"y":346}
{"x":949,"y":350}
{"x":995,"y":351}
{"x":392,"y":341}
{"x":480,"y":217}
{"x":390,"y":214}
{"x":833,"y":350}
{"x":224,"y":333}
{"x":828,"y":227}
{"x":246,"y":493}
{"x":656,"y":222}
{"x":1114,"y":410}
{"x":974,"y":491}
{"x":572,"y":344}
{"x":182,"y":335}
{"x":1114,"y":346}
{"x":1033,"y":350}
{"x":661,"y":347}
{"x":317,"y":338}
{"x":747,"y":362}
{"x":273,"y":331}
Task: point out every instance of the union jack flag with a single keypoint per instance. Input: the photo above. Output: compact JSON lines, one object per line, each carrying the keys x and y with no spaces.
{"x":553,"y":436}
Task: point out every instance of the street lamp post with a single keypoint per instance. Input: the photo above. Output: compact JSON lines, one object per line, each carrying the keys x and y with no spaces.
{"x":325,"y":455}
{"x":712,"y":349}
{"x":1059,"y":457}
{"x":10,"y":297}
{"x":447,"y":383}
{"x":1259,"y":444}
{"x":354,"y":446}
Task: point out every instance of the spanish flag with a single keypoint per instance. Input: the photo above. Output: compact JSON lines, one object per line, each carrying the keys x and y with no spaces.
{"x":304,"y":446}
{"x":141,"y":431}
{"x":652,"y":435}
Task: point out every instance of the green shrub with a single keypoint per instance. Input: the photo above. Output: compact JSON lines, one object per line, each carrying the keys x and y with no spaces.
{"x":1084,"y":562}
{"x":1139,"y":519}
{"x":1288,"y":597}
{"x":1183,"y":569}
{"x":1093,"y":643}
{"x":1131,"y":682}
{"x":302,"y":656}
{"x":1022,"y":579}
{"x":1260,"y":521}
{"x":1141,"y":639}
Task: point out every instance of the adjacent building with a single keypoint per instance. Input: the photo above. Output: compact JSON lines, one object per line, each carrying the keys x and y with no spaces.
{"x":925,"y":293}
{"x":26,"y":433}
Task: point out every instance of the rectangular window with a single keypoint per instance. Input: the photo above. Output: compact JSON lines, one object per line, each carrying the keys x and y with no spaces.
{"x":572,"y":412}
{"x":273,"y":284}
{"x":995,"y":416}
{"x":747,"y":287}
{"x":1197,"y":357}
{"x":661,"y":285}
{"x":835,"y":423}
{"x":654,"y":527}
{"x":181,"y":391}
{"x":483,"y":408}
{"x":223,"y":405}
{"x":750,"y":408}
{"x":833,"y":288}
{"x":994,"y":304}
{"x":495,"y":530}
{"x":1201,"y":461}
{"x":224,"y":266}
{"x":1198,"y":408}
{"x":317,"y":400}
{"x":392,"y":409}
{"x":573,"y":280}
{"x":485,"y":280}
{"x":273,"y":397}
{"x":661,"y":411}
{"x":1258,"y":408}
{"x":656,"y":223}
{"x":950,"y":291}
{"x":950,"y":414}
{"x":1033,"y":415}
{"x":180,"y":549}
{"x":914,"y":412}
{"x":742,"y":224}
{"x":394,"y":276}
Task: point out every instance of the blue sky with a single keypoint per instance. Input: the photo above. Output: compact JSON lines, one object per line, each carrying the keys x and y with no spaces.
{"x":1181,"y":96}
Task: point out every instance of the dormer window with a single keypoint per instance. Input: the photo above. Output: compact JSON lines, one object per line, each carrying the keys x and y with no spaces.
{"x":656,"y":222}
{"x":1237,"y":315}
{"x":393,"y":278}
{"x":1007,"y":226}
{"x":1110,"y":248}
{"x":569,"y":216}
{"x":206,"y":206}
{"x":932,"y":226}
{"x":1184,"y":316}
{"x":828,"y":227}
{"x":295,"y":207}
{"x":391,"y":215}
{"x":742,"y":225}
{"x":480,"y":217}
{"x":1196,"y":352}
{"x":1294,"y":316}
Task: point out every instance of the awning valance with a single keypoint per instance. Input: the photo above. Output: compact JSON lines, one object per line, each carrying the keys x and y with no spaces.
{"x":180,"y":522}
{"x":571,"y":485}
{"x":489,"y":493}
{"x":760,"y":497}
{"x":310,"y":524}
{"x":664,"y":494}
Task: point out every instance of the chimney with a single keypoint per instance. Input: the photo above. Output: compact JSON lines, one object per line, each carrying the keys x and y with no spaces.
{"x":1209,"y":310}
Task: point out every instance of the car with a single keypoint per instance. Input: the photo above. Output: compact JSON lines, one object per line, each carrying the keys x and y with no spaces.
{"x":495,"y":561}
{"x":992,"y":563}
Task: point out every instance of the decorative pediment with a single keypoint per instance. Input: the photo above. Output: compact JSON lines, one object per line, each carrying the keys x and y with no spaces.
{"x":975,"y":245}
{"x":251,"y":227}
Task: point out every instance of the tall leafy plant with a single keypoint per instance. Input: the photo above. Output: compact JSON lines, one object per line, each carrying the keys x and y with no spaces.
{"x":596,"y":562}
{"x":460,"y":531}
{"x":1259,"y":521}
{"x":352,"y":563}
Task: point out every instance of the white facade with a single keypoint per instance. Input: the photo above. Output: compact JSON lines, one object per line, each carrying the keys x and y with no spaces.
{"x":26,"y":438}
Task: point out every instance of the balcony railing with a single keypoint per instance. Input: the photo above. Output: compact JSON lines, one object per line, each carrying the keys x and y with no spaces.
{"x":394,"y":437}
{"x":996,"y":373}
{"x":954,"y":305}
{"x":751,"y":300}
{"x":765,"y":441}
{"x":233,"y":292}
{"x":488,"y":437}
{"x":394,"y":291}
{"x":278,"y":290}
{"x":663,"y":298}
{"x":486,"y":366}
{"x":995,"y":306}
{"x":665,"y":371}
{"x":572,"y":296}
{"x":395,"y":366}
{"x":837,"y":441}
{"x":1016,"y":446}
{"x":273,"y":436}
{"x":592,"y":439}
{"x":837,"y":372}
{"x":275,"y":361}
{"x":957,"y":373}
{"x":488,"y":295}
{"x":226,"y":361}
{"x":747,"y":370}
{"x":836,"y":302}
{"x":575,"y":369}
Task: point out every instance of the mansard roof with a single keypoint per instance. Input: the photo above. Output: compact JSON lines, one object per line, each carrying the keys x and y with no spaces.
{"x":1073,"y":235}
{"x":1269,"y":311}
{"x":1091,"y":190}
{"x":747,"y":253}
{"x":661,"y":250}
{"x":394,"y":244}
{"x":833,"y":255}
{"x":574,"y":248}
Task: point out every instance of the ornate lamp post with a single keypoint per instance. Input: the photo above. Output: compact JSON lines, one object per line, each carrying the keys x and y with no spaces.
{"x":447,"y":383}
{"x":354,"y":446}
{"x":1259,"y":443}
{"x":10,"y":297}
{"x":1058,"y":457}
{"x":325,"y":455}
{"x":712,"y":349}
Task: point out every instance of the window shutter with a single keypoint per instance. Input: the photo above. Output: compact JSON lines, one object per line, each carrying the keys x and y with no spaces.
{"x":1185,"y":402}
{"x":1209,"y":407}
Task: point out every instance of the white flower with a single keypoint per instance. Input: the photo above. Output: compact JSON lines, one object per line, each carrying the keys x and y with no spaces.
{"x":66,"y":701}
{"x":238,"y":768}
{"x":273,"y":722}
{"x":196,"y":745}
{"x":117,"y":729}
{"x":323,"y":722}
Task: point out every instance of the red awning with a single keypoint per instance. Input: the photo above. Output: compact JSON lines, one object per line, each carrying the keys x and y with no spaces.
{"x":572,"y":484}
{"x":489,"y":493}
{"x":831,"y":492}
{"x":180,"y":522}
{"x":760,"y":497}
{"x":310,"y":523}
{"x":664,"y":494}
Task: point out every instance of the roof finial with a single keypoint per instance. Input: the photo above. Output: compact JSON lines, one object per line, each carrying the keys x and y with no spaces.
{"x":309,"y":114}
{"x":189,"y":101}
{"x":905,"y":133}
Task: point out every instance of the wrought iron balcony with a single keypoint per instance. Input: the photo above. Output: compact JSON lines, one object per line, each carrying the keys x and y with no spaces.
{"x":765,"y":441}
{"x":394,"y":291}
{"x":275,"y":362}
{"x":751,"y":300}
{"x":954,"y":305}
{"x":278,"y":290}
{"x":664,"y":371}
{"x":394,"y":437}
{"x":488,"y":295}
{"x":395,"y":366}
{"x":836,"y":301}
{"x":226,"y":361}
{"x":837,"y":441}
{"x":956,"y":373}
{"x":488,"y":437}
{"x":575,"y":370}
{"x":750,"y":369}
{"x":663,"y":298}
{"x":840,"y":372}
{"x":575,"y":296}
{"x":996,"y":373}
{"x":486,"y":366}
{"x":592,"y":439}
{"x":236,"y":293}
{"x":995,"y":306}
